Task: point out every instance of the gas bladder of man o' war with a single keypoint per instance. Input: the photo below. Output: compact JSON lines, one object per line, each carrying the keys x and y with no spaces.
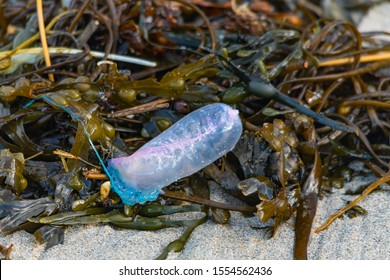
{"x":186,"y":147}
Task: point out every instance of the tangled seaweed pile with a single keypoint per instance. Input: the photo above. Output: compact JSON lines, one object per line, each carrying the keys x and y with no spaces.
{"x":117,"y":73}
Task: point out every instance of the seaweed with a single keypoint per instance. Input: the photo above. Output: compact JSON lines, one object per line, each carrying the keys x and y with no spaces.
{"x":11,"y":170}
{"x":84,"y":82}
{"x":49,"y":235}
{"x":6,"y":251}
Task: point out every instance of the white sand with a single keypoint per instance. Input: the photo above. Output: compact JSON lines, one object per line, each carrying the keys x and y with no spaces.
{"x":364,"y":237}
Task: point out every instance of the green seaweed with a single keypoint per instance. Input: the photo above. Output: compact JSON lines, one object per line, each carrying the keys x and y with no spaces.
{"x":49,"y":235}
{"x":11,"y":170}
{"x":15,"y":214}
{"x":178,"y":244}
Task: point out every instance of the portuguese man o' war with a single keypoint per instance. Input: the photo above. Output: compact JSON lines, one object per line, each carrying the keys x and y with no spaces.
{"x":186,"y":147}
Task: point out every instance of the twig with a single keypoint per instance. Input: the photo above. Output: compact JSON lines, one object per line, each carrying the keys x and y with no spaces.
{"x":67,"y":155}
{"x":353,"y":203}
{"x":34,"y":156}
{"x":133,"y":139}
{"x":151,"y":106}
{"x":251,"y":127}
{"x":95,"y":176}
{"x":42,"y":32}
{"x":364,"y":58}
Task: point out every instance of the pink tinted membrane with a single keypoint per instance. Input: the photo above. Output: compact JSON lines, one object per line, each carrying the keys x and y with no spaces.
{"x":215,"y":129}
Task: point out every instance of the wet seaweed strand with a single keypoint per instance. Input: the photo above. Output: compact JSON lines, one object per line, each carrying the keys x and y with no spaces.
{"x":261,"y":88}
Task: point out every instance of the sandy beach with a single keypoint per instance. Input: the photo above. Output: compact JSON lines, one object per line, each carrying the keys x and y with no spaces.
{"x":360,"y":238}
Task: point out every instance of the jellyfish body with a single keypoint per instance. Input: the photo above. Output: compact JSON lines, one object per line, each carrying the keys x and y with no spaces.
{"x":186,"y":147}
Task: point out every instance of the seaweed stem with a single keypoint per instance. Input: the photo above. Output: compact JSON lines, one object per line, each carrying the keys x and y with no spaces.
{"x":373,"y":103}
{"x":359,"y":71}
{"x":78,"y":16}
{"x":206,"y":20}
{"x":207,"y":202}
{"x":307,"y":208}
{"x":262,"y":88}
{"x":374,"y":168}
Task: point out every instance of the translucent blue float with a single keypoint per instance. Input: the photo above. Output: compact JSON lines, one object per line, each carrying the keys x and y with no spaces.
{"x":186,"y":147}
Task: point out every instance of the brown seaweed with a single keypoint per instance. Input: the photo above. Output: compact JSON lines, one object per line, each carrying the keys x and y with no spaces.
{"x":112,"y":75}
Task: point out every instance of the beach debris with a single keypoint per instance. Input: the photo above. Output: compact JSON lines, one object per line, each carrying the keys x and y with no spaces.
{"x":300,"y":83}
